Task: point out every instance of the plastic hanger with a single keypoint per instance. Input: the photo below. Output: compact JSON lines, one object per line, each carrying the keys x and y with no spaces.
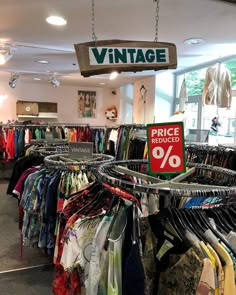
{"x":106,"y":244}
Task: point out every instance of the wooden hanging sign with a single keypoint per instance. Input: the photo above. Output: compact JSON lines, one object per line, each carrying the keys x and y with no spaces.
{"x":106,"y":56}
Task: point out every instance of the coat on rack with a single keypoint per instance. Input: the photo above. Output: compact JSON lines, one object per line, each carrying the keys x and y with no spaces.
{"x":217,"y":87}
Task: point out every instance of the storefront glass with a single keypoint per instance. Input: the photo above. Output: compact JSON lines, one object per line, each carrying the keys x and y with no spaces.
{"x":199,"y":118}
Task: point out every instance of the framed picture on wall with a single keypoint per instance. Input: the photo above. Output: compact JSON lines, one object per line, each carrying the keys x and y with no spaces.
{"x":87,"y":104}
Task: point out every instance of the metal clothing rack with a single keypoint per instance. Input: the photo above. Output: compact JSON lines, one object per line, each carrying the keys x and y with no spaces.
{"x":134,"y":125}
{"x":63,"y":160}
{"x":49,"y":124}
{"x":50,"y":150}
{"x":117,"y":172}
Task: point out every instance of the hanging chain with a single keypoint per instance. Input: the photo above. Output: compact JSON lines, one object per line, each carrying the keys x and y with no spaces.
{"x":94,"y":37}
{"x":157,"y":19}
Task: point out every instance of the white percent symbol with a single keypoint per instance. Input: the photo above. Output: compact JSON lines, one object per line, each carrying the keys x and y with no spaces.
{"x":159,"y":153}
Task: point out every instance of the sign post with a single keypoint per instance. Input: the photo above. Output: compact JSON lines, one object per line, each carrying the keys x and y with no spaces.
{"x":166,"y":148}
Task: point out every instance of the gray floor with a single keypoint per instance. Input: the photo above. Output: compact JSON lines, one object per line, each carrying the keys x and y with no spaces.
{"x":27,"y":282}
{"x":34,"y":281}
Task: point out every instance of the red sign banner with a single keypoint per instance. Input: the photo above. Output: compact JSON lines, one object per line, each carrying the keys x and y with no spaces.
{"x":166,"y":148}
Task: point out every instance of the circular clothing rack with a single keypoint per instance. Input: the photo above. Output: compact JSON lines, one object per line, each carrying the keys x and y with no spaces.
{"x":133,"y":175}
{"x":63,"y":160}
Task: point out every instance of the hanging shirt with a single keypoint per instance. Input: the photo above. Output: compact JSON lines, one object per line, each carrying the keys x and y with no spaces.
{"x":183,"y":275}
{"x":231,"y":238}
{"x":217,"y":87}
{"x":78,"y":246}
{"x":27,"y":136}
{"x":20,"y":184}
{"x":219,"y":270}
{"x":111,"y":282}
{"x":96,"y":256}
{"x":229,"y":286}
{"x":208,"y":280}
{"x":10,"y":146}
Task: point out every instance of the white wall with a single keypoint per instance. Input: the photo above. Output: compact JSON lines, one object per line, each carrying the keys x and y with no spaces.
{"x":65,"y":96}
{"x":164,"y":96}
{"x":144,"y":114}
{"x":126,"y":104}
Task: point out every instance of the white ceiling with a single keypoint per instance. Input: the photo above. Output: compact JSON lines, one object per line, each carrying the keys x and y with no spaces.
{"x":22,"y":24}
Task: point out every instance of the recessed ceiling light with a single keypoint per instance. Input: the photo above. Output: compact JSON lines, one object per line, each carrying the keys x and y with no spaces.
{"x":113,"y":75}
{"x":102,"y":83}
{"x":194,"y":41}
{"x":42,"y":61}
{"x":56,"y":20}
{"x":37,"y":79}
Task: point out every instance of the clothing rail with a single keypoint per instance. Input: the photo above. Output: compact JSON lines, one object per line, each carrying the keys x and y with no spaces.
{"x":49,"y":124}
{"x":49,"y":150}
{"x":133,"y":125}
{"x":109,"y":174}
{"x":206,"y":147}
{"x":63,"y":160}
{"x":55,"y":124}
{"x":52,"y":124}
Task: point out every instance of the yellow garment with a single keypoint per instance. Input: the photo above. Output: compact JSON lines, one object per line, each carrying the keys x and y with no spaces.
{"x":220,"y":271}
{"x":229,"y":286}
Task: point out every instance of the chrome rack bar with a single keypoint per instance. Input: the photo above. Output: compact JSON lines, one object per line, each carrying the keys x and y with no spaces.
{"x":129,"y":172}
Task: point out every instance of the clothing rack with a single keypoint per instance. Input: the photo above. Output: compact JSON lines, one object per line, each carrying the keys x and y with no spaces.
{"x":50,"y":124}
{"x":134,"y":125}
{"x":116,"y":173}
{"x":63,"y":160}
{"x":49,"y":150}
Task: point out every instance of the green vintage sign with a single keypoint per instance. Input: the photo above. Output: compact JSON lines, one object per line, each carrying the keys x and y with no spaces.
{"x":103,"y":57}
{"x":111,"y":55}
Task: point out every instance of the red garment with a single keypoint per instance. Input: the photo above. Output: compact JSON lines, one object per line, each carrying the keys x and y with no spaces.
{"x":65,"y":283}
{"x":2,"y":142}
{"x":10,"y":147}
{"x":18,"y":190}
{"x":78,"y":134}
{"x":89,"y":135}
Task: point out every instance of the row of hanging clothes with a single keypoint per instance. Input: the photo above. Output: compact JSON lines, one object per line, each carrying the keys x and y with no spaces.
{"x":14,"y":138}
{"x":129,"y":232}
{"x":42,"y":188}
{"x":181,"y":246}
{"x":223,"y":156}
{"x":126,"y":141}
{"x":12,"y":142}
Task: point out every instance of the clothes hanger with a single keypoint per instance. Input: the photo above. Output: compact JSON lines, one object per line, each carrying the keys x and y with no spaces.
{"x":91,"y":187}
{"x":106,"y":244}
{"x":197,"y":227}
{"x":218,"y":220}
{"x":229,"y":218}
{"x":223,"y":215}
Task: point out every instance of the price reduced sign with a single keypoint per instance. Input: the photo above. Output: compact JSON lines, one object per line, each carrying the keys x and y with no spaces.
{"x":166,"y":148}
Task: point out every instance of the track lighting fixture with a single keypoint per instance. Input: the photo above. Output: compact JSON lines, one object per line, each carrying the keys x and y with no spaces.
{"x":13,"y":80}
{"x":5,"y":55}
{"x":54,"y":82}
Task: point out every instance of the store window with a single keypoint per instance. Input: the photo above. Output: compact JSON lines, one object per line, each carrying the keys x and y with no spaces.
{"x":198,"y":117}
